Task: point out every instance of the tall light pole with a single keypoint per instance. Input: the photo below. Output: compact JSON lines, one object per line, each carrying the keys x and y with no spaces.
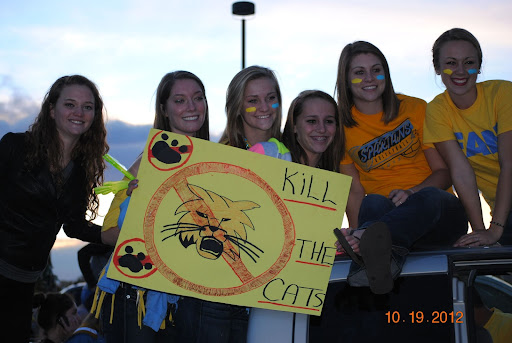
{"x":243,"y":9}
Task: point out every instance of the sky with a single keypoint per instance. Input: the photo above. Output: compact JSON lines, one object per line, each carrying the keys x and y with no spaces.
{"x":126,"y":47}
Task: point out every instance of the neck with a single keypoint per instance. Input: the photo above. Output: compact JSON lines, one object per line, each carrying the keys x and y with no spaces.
{"x":67,"y":149}
{"x":256,"y":136}
{"x":54,"y":335}
{"x":466,"y":100}
{"x":313,"y":159}
{"x":369,"y":108}
{"x":482,"y":315}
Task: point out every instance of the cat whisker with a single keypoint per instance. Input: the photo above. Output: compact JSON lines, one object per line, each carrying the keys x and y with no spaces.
{"x":244,"y":248}
{"x":237,"y":238}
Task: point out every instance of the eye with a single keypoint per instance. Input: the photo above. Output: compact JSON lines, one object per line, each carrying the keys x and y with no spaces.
{"x":253,"y":101}
{"x":69,"y":105}
{"x":201,"y":214}
{"x":88,"y":107}
{"x":450,"y":63}
{"x":330,"y":121}
{"x":225,"y":219}
{"x":200,"y":98}
{"x":358,"y":72}
{"x":179,"y":101}
{"x":311,"y":121}
{"x":470,"y":62}
{"x":272,"y":97}
{"x":377,"y":70}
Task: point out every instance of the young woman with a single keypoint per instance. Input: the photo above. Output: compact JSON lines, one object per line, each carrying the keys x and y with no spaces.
{"x":47,"y":178}
{"x":181,"y":107}
{"x":471,"y":127}
{"x":57,"y":316}
{"x":398,"y":188}
{"x":253,"y":108}
{"x":314,"y":138}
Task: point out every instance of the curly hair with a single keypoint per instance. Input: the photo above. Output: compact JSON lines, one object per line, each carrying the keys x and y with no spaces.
{"x":234,"y":132}
{"x":330,"y":159}
{"x":45,"y":146}
{"x":390,"y":101}
{"x":162,"y":95}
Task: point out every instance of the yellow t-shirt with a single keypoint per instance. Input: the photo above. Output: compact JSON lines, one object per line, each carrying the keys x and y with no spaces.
{"x":389,"y":156}
{"x":500,"y":326}
{"x":476,"y":129}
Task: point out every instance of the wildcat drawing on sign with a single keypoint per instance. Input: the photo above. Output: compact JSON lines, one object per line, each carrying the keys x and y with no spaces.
{"x":215,"y":225}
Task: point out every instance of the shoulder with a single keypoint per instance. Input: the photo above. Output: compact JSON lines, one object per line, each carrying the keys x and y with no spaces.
{"x":495,"y":87}
{"x":14,"y":138}
{"x":13,"y":143}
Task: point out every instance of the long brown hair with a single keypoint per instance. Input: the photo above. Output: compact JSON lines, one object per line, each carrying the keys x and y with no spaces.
{"x":330,"y":159}
{"x":45,"y":146}
{"x":451,"y":35}
{"x":390,"y":101}
{"x":234,"y":132}
{"x":162,"y":95}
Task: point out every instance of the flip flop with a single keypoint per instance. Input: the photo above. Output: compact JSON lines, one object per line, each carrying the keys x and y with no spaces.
{"x":375,"y":247}
{"x":348,"y":249}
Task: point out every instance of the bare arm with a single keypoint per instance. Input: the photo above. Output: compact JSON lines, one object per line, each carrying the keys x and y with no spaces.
{"x":440,"y":178}
{"x":356,"y":195}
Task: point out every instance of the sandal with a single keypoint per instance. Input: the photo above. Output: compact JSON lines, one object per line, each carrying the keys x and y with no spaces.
{"x":375,"y":247}
{"x":348,"y":249}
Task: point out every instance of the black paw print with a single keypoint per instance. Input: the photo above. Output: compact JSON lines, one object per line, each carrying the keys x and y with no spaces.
{"x":134,"y":263}
{"x":165,"y":154}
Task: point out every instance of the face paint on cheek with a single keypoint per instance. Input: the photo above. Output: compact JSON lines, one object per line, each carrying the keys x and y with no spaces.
{"x":472,"y":71}
{"x":276,"y":105}
{"x":357,"y":80}
{"x":250,"y":109}
{"x":380,"y":77}
{"x":448,"y":71}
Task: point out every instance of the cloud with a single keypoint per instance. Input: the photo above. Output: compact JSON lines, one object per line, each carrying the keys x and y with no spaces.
{"x":15,"y":104}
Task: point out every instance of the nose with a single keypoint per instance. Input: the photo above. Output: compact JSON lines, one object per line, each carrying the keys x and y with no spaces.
{"x":460,"y":68}
{"x":265,"y":105}
{"x":191,"y":106}
{"x":320,"y":127}
{"x":368,"y":77}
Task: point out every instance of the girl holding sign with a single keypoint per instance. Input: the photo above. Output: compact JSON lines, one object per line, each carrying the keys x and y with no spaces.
{"x":401,"y":189}
{"x":47,"y":178}
{"x":181,"y":107}
{"x":470,"y":125}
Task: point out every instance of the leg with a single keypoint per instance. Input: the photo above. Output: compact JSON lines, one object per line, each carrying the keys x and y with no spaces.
{"x":373,"y":207}
{"x":16,"y":314}
{"x":421,"y":214}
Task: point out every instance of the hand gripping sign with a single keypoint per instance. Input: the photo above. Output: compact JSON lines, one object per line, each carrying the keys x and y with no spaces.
{"x":231,"y":226}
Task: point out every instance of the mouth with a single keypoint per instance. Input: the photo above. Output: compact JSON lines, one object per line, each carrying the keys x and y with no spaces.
{"x":319,"y":138}
{"x":211,"y":246}
{"x":191,"y":118}
{"x":76,"y":122}
{"x":263,"y":117}
{"x":459,"y":82}
{"x":369,"y":88}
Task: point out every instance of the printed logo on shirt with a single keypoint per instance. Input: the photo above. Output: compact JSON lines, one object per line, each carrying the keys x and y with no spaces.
{"x":485,"y":144}
{"x":403,"y":141}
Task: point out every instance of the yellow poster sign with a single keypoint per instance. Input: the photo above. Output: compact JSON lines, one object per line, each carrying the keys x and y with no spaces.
{"x":227,"y":225}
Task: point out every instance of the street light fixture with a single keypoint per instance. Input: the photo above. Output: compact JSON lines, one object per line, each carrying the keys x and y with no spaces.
{"x":243,"y":9}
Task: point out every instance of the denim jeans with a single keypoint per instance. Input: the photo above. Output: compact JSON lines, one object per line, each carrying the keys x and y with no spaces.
{"x":429,"y":218}
{"x":124,"y":327}
{"x":200,"y":321}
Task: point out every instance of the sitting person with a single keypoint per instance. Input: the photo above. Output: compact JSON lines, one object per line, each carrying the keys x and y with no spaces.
{"x":471,"y":127}
{"x":57,"y":316}
{"x":400,"y":196}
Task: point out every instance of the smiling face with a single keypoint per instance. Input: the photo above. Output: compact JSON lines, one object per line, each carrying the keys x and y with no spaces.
{"x":260,"y":106}
{"x":73,"y":112}
{"x":186,"y":107}
{"x":315,"y":128}
{"x":459,"y":67}
{"x":367,"y":82}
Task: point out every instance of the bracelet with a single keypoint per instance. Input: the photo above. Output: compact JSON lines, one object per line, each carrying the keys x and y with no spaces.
{"x":411,"y":190}
{"x":497,"y":224}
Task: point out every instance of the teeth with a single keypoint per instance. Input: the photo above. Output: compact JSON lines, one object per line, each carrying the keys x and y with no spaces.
{"x":263,"y":117}
{"x":76,"y":122}
{"x":459,"y":81}
{"x":190,"y":118}
{"x":319,"y":138}
{"x":369,"y":87}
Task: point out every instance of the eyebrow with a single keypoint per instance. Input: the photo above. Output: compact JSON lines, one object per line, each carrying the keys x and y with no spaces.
{"x":270,"y":93}
{"x":373,"y":66}
{"x":72,"y":99}
{"x":179,"y":94}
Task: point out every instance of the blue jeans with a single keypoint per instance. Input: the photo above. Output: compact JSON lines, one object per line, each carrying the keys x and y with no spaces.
{"x":200,"y":321}
{"x":429,"y":218}
{"x":124,"y":327}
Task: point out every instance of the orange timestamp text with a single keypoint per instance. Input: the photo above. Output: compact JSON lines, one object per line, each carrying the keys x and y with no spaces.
{"x":418,"y":317}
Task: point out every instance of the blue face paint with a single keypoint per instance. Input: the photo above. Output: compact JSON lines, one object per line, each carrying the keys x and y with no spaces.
{"x":276,"y":105}
{"x":472,"y":71}
{"x":380,"y":77}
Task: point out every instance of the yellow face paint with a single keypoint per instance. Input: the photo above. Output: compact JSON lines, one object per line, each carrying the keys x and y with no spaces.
{"x":250,"y":109}
{"x":357,"y":80}
{"x":448,"y":71}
